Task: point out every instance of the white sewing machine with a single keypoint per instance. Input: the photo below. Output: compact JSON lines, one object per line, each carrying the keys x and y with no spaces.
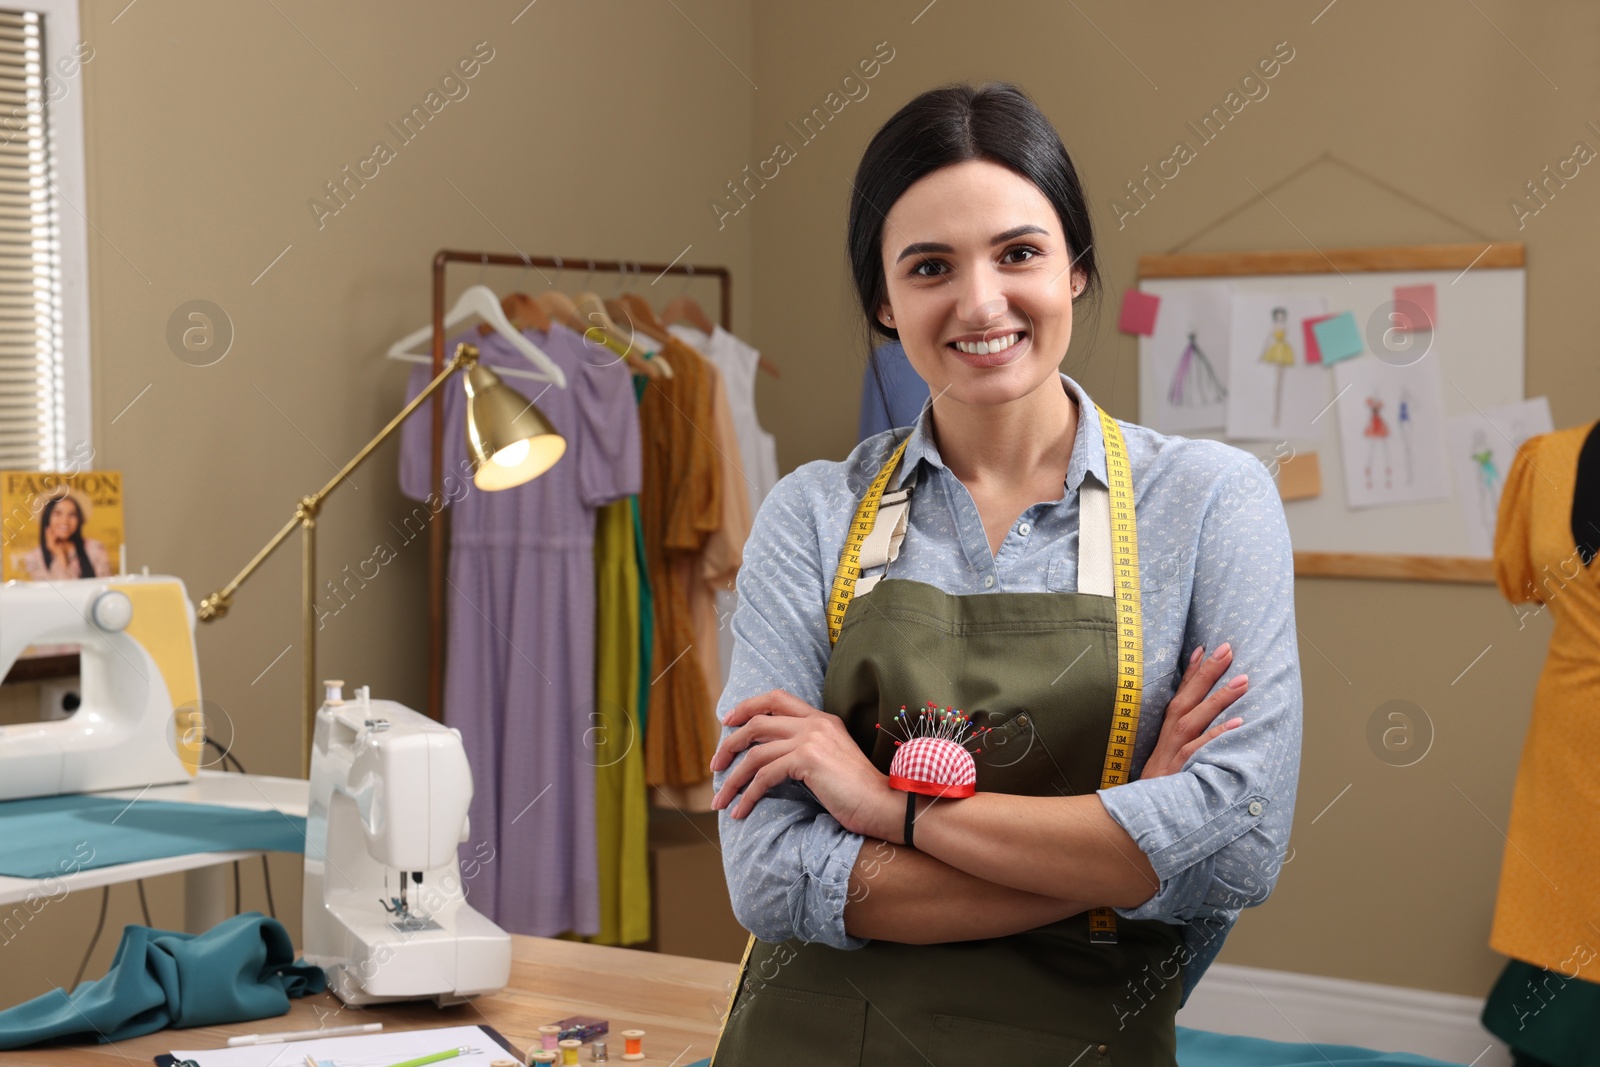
{"x":385,"y":909}
{"x":139,"y":721}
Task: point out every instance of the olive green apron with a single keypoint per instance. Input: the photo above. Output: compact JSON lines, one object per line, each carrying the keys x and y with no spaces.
{"x":1038,"y":669}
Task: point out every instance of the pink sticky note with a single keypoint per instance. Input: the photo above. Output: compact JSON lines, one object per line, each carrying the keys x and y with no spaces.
{"x":1426,"y":302}
{"x":1138,"y":312}
{"x":1313,"y":350}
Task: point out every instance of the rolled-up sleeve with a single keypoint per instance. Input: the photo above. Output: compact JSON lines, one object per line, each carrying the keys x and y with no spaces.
{"x":788,"y":861}
{"x":1216,"y":832}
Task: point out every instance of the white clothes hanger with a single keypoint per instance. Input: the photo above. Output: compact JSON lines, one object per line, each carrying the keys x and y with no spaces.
{"x":480,"y":300}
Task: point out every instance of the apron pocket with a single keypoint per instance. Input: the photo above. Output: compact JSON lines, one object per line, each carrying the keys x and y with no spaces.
{"x":784,"y":1027}
{"x":959,"y":1041}
{"x":1015,"y":759}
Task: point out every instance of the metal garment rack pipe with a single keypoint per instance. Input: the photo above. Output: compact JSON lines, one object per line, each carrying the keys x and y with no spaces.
{"x":441,"y":259}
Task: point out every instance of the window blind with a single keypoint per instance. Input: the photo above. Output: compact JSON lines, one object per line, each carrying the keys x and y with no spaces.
{"x":32,"y":363}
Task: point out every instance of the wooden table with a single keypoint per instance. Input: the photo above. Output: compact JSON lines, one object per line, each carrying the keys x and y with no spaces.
{"x":678,"y":1001}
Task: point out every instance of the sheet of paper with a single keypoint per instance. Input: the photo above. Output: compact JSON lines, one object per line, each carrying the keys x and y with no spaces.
{"x":1313,"y":352}
{"x":1138,"y":311}
{"x":1391,"y":431}
{"x":1338,"y":338}
{"x":1299,"y":476}
{"x":1184,"y":363}
{"x":361,"y":1050}
{"x":1415,"y":302}
{"x":1482,"y":445}
{"x":1273,"y":394}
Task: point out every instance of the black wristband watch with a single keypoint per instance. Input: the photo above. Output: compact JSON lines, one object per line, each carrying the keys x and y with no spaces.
{"x":911,"y":816}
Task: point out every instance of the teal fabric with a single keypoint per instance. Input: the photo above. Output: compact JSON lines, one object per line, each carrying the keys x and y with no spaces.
{"x":243,"y":968}
{"x":46,"y":837}
{"x":1201,"y":1048}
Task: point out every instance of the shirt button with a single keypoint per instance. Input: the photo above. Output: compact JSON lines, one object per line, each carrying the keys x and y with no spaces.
{"x":988,"y":581}
{"x":1255,"y":807}
{"x":1025,"y":529}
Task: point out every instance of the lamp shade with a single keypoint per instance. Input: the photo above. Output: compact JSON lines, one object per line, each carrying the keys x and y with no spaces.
{"x":510,"y":440}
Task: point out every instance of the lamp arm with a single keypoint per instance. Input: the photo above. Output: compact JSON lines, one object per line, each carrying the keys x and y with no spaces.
{"x":216,"y":605}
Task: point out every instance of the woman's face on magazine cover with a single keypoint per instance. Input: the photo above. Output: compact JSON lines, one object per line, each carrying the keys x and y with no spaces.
{"x":64,"y":519}
{"x":949,"y":280}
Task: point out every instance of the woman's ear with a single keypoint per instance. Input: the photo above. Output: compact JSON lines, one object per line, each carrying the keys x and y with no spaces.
{"x":886,"y":316}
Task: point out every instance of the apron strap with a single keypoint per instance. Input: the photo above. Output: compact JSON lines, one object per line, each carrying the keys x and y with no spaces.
{"x":882,"y":544}
{"x":1095,"y":573}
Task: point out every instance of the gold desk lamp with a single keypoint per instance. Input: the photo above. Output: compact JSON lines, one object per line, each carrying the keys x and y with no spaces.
{"x":510,"y":442}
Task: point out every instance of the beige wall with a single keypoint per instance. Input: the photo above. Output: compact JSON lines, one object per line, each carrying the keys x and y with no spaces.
{"x":606,"y":129}
{"x":1396,"y":881}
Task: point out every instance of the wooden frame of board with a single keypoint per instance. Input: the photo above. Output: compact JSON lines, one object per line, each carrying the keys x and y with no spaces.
{"x":1394,"y":258}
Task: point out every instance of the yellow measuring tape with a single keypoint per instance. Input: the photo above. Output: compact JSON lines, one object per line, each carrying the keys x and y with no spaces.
{"x":1130,"y":637}
{"x":844,"y":579}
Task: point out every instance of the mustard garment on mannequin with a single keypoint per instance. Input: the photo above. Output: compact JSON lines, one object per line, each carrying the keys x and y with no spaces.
{"x":1549,"y":890}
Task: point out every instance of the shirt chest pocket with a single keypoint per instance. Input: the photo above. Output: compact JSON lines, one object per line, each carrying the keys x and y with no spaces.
{"x":1162,"y":572}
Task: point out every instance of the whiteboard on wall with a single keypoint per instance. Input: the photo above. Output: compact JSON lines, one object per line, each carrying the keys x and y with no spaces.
{"x":1477,"y":340}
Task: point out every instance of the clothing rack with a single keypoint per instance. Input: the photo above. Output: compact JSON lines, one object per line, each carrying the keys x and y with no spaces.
{"x":441,"y":260}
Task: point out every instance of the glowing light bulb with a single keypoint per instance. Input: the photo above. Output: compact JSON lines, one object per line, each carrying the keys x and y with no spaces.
{"x":513,"y":454}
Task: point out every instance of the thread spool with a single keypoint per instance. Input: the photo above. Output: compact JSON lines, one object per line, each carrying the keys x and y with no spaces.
{"x":502,"y":1062}
{"x":569,"y":1050}
{"x":548,"y":1036}
{"x":540,"y":1055}
{"x":634,"y":1044}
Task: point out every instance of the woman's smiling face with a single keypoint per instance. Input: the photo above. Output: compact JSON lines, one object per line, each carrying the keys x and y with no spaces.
{"x":64,"y":519}
{"x":974,"y":257}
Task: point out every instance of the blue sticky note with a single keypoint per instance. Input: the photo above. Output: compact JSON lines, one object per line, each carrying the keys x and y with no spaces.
{"x":1338,"y":338}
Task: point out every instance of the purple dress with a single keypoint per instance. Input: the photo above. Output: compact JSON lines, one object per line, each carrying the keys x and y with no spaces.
{"x":519,"y":664}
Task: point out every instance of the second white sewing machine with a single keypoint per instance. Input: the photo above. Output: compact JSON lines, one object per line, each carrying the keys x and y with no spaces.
{"x":385,"y":908}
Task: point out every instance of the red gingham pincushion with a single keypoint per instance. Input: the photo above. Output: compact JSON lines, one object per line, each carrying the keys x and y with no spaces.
{"x":936,"y":766}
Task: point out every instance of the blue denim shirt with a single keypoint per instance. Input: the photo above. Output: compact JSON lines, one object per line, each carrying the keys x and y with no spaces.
{"x":1215,"y":565}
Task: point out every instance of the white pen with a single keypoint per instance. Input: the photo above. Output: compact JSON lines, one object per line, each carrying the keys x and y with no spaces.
{"x":303,"y":1035}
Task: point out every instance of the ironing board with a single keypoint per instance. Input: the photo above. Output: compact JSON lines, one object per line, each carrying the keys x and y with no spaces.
{"x":205,"y":882}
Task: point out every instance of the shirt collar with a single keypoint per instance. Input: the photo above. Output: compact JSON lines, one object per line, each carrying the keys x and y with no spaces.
{"x":1088,"y":447}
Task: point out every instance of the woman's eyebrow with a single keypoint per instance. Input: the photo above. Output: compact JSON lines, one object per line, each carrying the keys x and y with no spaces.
{"x":999,"y":238}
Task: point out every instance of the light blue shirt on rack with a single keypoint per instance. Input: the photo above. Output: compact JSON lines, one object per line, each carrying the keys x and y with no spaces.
{"x":1215,"y":565}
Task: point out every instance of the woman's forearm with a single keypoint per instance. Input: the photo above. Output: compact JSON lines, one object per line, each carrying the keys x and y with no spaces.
{"x":1038,"y":844}
{"x":901,"y":894}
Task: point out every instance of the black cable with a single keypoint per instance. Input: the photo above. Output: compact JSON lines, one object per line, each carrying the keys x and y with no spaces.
{"x":266,"y":876}
{"x":143,"y":906}
{"x":225,"y":756}
{"x":266,"y":872}
{"x":105,"y":901}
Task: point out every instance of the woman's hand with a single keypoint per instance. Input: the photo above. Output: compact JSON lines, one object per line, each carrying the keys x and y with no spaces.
{"x":788,"y":738}
{"x":1191,"y":709}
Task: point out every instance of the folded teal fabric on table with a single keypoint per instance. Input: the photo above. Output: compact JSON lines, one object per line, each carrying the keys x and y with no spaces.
{"x":243,"y":968}
{"x":1201,"y":1048}
{"x":47,"y":837}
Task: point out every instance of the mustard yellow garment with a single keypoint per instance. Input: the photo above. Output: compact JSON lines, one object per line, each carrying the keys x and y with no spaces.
{"x":1550,"y":874}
